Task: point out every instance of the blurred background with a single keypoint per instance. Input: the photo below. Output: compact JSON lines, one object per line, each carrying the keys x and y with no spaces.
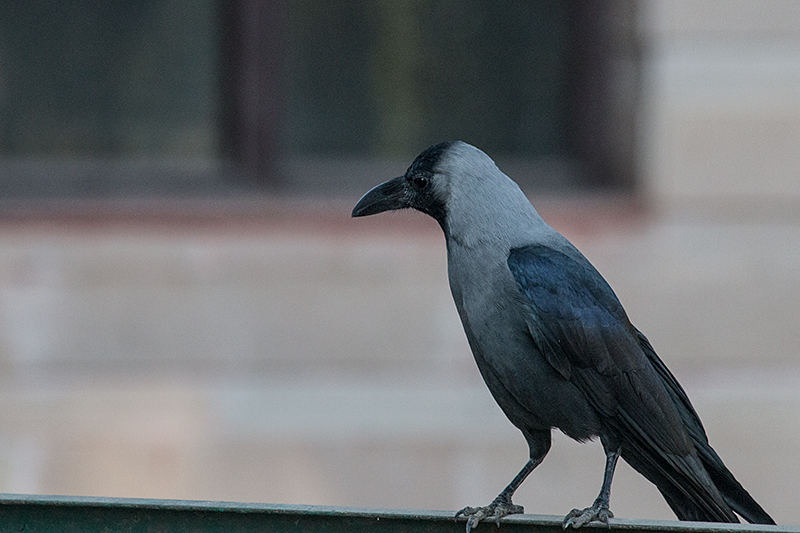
{"x":187,"y":310}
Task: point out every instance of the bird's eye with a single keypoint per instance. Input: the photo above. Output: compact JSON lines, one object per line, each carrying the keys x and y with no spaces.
{"x":420,"y":181}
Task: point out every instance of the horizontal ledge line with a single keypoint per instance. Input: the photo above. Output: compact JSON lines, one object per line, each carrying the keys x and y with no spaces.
{"x":334,"y":512}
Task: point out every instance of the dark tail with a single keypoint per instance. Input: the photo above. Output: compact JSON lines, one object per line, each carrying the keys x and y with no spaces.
{"x":682,"y":480}
{"x":732,"y":492}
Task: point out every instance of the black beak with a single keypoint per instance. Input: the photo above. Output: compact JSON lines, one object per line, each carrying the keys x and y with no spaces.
{"x":387,"y":196}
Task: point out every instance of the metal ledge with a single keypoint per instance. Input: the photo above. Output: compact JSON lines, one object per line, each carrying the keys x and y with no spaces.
{"x":67,"y":514}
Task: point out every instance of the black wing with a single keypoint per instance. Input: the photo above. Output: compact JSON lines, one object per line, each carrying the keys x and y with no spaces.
{"x":577,"y":322}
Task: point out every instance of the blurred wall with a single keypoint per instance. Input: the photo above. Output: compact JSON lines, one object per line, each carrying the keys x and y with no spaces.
{"x":720,"y":120}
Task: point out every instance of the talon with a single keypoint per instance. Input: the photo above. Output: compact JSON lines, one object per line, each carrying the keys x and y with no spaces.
{"x":580,"y":517}
{"x":496,"y":510}
{"x":569,"y":518}
{"x":466,"y":512}
{"x":604,"y":516}
{"x":474,"y":519}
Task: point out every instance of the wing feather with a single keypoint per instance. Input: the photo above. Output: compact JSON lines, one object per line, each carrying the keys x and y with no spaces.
{"x":579,"y":325}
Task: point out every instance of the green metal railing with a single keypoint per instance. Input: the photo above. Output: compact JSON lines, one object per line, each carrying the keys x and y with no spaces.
{"x":67,"y":514}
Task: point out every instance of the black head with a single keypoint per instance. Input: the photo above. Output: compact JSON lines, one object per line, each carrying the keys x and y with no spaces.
{"x":417,"y":189}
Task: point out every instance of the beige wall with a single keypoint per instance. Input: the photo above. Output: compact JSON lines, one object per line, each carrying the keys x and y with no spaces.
{"x":720,"y":117}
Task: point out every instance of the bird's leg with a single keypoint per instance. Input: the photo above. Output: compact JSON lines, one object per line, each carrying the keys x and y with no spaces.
{"x":599,"y":510}
{"x":501,"y":506}
{"x":539,"y":444}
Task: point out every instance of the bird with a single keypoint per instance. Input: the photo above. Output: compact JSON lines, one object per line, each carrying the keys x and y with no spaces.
{"x":554,"y":345}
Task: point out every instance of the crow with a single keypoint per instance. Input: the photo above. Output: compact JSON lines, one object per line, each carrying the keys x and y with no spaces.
{"x":555,"y":346}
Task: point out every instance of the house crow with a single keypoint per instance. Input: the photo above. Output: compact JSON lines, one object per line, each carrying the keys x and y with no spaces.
{"x":555,"y":346}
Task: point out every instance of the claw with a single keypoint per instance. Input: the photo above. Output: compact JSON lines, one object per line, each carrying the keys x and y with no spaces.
{"x":580,"y":517}
{"x":495,"y":510}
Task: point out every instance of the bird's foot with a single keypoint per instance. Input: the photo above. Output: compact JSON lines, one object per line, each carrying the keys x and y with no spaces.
{"x":500,"y":507}
{"x":598,"y":512}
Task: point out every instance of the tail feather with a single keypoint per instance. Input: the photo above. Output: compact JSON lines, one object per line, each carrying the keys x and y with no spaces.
{"x":683,"y":482}
{"x":736,"y":497}
{"x":732,"y":491}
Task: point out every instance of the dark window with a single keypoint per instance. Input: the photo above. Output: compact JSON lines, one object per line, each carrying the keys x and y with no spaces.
{"x":156,"y":97}
{"x":106,"y":97}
